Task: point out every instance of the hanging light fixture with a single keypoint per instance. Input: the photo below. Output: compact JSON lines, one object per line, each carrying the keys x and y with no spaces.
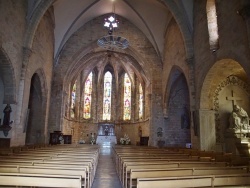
{"x":112,"y":41}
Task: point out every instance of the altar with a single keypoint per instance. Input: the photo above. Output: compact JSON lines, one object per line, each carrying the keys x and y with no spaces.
{"x":106,"y":139}
{"x":106,"y":134}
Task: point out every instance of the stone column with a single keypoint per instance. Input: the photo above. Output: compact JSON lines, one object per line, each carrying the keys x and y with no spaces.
{"x":26,"y":55}
{"x":192,"y":93}
{"x":21,"y":113}
{"x":207,"y":130}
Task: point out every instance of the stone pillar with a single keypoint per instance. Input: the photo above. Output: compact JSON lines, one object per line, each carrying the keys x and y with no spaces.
{"x":245,"y":13}
{"x":194,"y":138}
{"x":207,"y":130}
{"x":20,"y":112}
{"x":26,"y":55}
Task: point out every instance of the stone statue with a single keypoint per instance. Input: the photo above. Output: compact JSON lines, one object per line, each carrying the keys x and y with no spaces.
{"x":61,"y":139}
{"x":6,"y":119}
{"x":239,"y":120}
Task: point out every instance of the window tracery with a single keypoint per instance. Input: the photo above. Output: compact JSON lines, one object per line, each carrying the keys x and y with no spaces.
{"x":87,"y":97}
{"x":107,"y":96}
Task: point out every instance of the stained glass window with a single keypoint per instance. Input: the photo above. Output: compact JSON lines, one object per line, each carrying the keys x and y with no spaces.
{"x":107,"y":96}
{"x":87,"y":97}
{"x":127,"y":98}
{"x":73,"y":101}
{"x":140,"y":102}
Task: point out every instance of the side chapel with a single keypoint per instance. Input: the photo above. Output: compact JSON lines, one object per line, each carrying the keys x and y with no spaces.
{"x":168,"y":74}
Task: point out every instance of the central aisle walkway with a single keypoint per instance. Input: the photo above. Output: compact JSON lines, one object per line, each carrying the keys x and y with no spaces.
{"x":106,"y":176}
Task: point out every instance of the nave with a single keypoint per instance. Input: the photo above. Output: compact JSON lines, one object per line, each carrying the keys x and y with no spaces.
{"x":106,"y":176}
{"x":120,"y":166}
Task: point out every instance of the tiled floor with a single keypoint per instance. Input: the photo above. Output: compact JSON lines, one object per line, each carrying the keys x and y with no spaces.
{"x":106,"y":176}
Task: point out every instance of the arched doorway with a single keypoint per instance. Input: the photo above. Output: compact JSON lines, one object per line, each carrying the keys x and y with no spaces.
{"x":35,"y":125}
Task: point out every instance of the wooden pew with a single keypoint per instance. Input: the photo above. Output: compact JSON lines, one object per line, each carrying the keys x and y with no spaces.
{"x":87,"y":164}
{"x":232,"y":180}
{"x":56,"y":170}
{"x":128,"y":165}
{"x":70,"y":157}
{"x":161,"y":172}
{"x":129,"y":159}
{"x":122,"y":160}
{"x":40,"y":180}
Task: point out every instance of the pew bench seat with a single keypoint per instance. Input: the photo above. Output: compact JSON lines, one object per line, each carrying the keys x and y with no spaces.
{"x":232,"y":180}
{"x":40,"y":180}
{"x":157,"y":173}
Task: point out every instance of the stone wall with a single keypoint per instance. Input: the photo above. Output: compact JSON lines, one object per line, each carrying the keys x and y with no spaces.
{"x":82,"y":131}
{"x":175,"y":89}
{"x":211,"y":67}
{"x":12,"y":24}
{"x":41,"y":61}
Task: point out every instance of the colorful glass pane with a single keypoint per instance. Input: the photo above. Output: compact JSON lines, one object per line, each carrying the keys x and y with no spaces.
{"x":73,"y":101}
{"x":87,"y":97}
{"x":127,"y":98}
{"x":107,"y":96}
{"x":140,"y":102}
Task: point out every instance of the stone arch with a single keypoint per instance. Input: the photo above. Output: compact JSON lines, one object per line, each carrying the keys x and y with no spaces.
{"x":182,"y":23}
{"x":34,"y":20}
{"x":225,"y":76}
{"x":218,"y":72}
{"x":36,"y":128}
{"x":8,"y":78}
{"x":232,"y":90}
{"x":174,"y":73}
{"x":177,"y":109}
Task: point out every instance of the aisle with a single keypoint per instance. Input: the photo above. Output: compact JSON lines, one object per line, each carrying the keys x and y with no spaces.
{"x":106,"y":176}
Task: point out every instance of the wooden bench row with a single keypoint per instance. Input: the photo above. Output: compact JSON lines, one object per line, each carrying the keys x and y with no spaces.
{"x":232,"y":180}
{"x":137,"y":167}
{"x":67,"y":163}
{"x":135,"y":174}
{"x":40,"y":180}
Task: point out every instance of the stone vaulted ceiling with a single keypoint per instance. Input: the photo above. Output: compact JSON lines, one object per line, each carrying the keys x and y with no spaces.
{"x":150,"y":16}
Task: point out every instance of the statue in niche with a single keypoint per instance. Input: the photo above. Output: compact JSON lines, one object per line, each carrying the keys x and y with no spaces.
{"x":106,"y":131}
{"x":239,"y":120}
{"x":5,"y":127}
{"x":6,"y":119}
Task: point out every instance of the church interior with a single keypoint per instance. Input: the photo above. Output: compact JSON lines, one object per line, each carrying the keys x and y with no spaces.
{"x":156,"y":73}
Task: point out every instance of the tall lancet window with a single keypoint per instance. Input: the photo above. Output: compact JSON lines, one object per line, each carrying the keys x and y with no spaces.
{"x":140,"y":102}
{"x":73,"y":101}
{"x":212,"y":25}
{"x":87,"y":97}
{"x":127,"y":98}
{"x":107,"y":96}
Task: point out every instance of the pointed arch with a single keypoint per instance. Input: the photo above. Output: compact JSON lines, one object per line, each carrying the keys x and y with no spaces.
{"x":87,"y":96}
{"x":36,"y":126}
{"x":73,"y":100}
{"x":8,"y":78}
{"x":107,"y":89}
{"x":141,"y":99}
{"x":178,"y":109}
{"x":127,"y":98}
